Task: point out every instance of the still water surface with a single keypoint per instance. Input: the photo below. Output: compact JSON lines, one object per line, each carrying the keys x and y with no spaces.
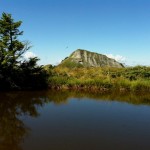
{"x":63,"y":120}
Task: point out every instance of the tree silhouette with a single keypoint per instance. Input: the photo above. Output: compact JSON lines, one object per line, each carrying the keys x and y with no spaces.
{"x":11,"y":64}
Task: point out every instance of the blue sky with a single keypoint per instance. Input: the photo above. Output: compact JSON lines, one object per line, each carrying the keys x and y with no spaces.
{"x":56,"y":28}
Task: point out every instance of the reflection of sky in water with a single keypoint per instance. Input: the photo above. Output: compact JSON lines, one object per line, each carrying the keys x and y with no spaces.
{"x":89,"y":124}
{"x":57,"y":120}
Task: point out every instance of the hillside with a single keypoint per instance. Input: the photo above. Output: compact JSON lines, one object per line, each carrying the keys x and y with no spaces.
{"x":84,"y":58}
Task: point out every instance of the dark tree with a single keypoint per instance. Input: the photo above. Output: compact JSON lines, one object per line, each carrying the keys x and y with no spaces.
{"x":11,"y":51}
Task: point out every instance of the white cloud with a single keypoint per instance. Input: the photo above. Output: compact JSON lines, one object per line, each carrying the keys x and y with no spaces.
{"x":117,"y":57}
{"x":29,"y":54}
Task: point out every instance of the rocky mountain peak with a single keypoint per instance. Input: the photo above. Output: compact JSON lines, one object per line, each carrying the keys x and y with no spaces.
{"x":86,"y":58}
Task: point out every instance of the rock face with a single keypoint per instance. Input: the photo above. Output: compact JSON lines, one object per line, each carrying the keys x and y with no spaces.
{"x":90,"y":59}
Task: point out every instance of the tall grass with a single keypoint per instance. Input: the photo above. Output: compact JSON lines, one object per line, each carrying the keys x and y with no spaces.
{"x":140,"y":85}
{"x":129,"y":79}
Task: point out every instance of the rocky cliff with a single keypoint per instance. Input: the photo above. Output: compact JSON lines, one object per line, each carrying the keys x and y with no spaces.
{"x":89,"y":59}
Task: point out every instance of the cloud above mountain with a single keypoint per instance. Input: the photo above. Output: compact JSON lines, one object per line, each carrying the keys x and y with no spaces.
{"x":117,"y":57}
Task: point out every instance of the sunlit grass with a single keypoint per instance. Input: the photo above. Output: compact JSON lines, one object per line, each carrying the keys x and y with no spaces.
{"x":130,"y":79}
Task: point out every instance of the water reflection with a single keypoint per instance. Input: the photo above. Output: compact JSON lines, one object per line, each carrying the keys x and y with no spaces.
{"x":59,"y":97}
{"x":14,"y":105}
{"x":12,"y":128}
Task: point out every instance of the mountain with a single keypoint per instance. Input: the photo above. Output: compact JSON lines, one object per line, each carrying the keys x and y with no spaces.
{"x":84,"y":58}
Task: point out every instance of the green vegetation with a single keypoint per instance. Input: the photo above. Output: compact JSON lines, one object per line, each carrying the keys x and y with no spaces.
{"x":97,"y":78}
{"x":15,"y":72}
{"x":18,"y":73}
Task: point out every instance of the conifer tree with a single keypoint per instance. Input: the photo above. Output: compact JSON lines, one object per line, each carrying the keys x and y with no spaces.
{"x":14,"y":72}
{"x":11,"y":49}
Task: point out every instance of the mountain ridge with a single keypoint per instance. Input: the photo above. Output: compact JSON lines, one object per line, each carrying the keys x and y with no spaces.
{"x":85,"y":58}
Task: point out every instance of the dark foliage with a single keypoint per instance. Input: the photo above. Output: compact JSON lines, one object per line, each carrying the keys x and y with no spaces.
{"x":16,"y":73}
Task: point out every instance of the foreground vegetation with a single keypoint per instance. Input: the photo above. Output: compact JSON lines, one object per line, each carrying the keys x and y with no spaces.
{"x":122,"y":79}
{"x":16,"y":72}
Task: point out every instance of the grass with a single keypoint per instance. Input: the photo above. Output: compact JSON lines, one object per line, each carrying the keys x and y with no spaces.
{"x":127,"y":79}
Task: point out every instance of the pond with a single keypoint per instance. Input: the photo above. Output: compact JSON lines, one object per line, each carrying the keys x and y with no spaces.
{"x":74,"y":120}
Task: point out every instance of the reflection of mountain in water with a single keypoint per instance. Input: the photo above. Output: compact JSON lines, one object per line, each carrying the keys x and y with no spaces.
{"x":16,"y":104}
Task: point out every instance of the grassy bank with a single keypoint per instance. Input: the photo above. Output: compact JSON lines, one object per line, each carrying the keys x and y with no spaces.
{"x":122,"y":79}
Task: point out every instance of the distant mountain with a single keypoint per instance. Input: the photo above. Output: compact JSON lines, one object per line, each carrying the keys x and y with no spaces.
{"x":84,"y":58}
